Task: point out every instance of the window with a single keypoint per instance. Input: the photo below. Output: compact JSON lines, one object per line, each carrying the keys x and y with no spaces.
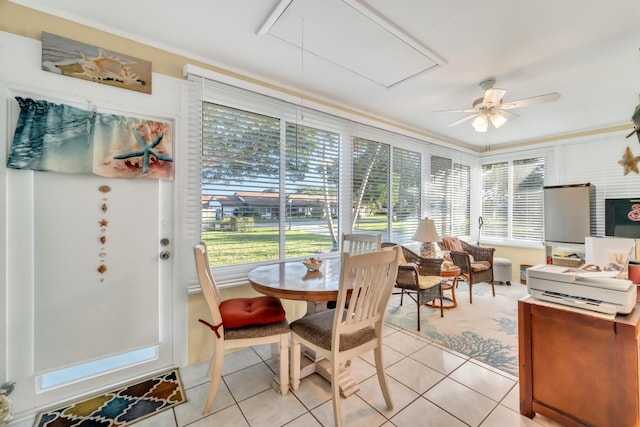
{"x":312,"y":176}
{"x":386,"y":186}
{"x":512,"y":199}
{"x":495,"y":200}
{"x":406,"y":195}
{"x":449,"y":198}
{"x":370,"y":186}
{"x":243,"y":211}
{"x":265,"y":183}
{"x":240,"y":185}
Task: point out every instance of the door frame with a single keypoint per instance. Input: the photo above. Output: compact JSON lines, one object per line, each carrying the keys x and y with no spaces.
{"x":173,"y":297}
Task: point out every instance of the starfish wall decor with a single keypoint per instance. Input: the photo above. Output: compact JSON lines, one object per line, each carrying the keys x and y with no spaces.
{"x":145,"y":152}
{"x":141,"y":148}
{"x":629,"y":161}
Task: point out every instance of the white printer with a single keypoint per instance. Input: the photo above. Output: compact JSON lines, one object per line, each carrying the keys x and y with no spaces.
{"x":597,"y":291}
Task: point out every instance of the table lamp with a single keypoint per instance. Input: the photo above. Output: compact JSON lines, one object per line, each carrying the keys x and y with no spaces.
{"x":427,"y":234}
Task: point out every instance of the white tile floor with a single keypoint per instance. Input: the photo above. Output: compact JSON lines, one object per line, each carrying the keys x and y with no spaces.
{"x":430,"y":385}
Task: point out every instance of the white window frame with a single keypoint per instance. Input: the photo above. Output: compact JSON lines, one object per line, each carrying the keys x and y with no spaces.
{"x":510,"y":156}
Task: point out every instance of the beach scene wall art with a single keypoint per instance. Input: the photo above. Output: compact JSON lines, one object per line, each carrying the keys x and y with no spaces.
{"x":72,"y":58}
{"x":62,"y":138}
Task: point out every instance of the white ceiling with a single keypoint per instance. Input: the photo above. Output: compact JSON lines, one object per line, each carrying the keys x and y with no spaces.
{"x":403,"y":59}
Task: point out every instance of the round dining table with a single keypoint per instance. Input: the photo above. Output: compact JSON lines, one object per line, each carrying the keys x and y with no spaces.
{"x":291,"y":280}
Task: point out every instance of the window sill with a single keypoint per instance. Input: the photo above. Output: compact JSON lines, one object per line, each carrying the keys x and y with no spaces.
{"x":511,"y":243}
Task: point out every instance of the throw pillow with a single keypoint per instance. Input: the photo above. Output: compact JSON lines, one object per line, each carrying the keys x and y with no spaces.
{"x":452,"y":244}
{"x":239,"y":312}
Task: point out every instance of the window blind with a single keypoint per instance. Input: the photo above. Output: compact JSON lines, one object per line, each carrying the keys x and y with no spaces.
{"x":406,"y":197}
{"x":595,"y":161}
{"x":390,"y":182}
{"x":528,"y":199}
{"x":512,"y":199}
{"x":495,"y":200}
{"x":449,"y":199}
{"x":312,"y":178}
{"x":370,"y":186}
{"x":240,"y":184}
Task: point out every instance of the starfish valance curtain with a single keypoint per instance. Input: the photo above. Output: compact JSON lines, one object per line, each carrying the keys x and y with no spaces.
{"x":61,"y":138}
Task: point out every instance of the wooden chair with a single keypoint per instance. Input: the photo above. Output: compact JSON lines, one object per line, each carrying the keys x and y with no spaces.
{"x":350,"y":329}
{"x":475,"y":262}
{"x":360,"y":242}
{"x":419,"y":278}
{"x":241,"y":322}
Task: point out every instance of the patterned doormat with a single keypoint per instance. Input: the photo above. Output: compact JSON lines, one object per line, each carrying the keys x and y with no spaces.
{"x":119,"y":407}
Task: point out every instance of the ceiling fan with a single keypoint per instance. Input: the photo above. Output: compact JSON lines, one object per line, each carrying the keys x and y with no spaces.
{"x":490,"y":107}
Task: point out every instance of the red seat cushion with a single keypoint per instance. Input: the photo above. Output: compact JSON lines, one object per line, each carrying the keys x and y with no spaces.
{"x":239,"y":312}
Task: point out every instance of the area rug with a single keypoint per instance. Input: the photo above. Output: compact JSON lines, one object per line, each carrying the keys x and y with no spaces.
{"x":486,"y":330}
{"x":120,"y":407}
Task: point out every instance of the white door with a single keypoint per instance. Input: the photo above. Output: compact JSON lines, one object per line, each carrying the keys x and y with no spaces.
{"x":89,"y":292}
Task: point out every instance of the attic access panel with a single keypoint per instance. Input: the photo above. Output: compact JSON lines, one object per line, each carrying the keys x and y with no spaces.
{"x":352,"y":36}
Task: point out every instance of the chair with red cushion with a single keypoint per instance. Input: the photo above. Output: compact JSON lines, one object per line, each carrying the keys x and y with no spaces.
{"x":241,"y":322}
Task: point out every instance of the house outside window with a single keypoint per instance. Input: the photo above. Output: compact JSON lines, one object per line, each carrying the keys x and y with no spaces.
{"x":244,"y":213}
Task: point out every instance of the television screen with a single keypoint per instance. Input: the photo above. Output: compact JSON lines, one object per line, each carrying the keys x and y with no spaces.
{"x":622,"y":218}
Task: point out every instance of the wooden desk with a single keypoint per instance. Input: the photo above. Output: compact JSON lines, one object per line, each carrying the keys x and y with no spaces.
{"x":292,"y":280}
{"x":576,"y":368}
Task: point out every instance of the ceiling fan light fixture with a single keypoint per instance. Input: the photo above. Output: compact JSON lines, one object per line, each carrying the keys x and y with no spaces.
{"x":480,"y":123}
{"x":497,"y":119}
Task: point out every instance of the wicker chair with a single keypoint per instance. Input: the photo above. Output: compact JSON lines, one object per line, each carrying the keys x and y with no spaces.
{"x":475,"y":262}
{"x":419,"y":278}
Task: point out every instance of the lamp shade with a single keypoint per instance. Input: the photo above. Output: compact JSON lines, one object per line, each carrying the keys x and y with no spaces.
{"x":426,"y":231}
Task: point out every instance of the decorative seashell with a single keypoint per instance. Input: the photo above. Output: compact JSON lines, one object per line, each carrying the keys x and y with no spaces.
{"x":312,"y":264}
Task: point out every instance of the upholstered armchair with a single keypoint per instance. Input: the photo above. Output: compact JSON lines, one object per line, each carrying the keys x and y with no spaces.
{"x":475,"y":262}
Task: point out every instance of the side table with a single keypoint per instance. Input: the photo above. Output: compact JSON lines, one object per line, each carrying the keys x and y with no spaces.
{"x":449,"y":283}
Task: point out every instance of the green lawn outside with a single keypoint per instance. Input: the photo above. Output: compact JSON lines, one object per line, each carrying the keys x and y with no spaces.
{"x":261,"y":244}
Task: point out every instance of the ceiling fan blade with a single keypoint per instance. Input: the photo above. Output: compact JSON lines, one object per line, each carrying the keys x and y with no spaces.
{"x":508,"y":114}
{"x":464,"y":119}
{"x":492,"y":97}
{"x":455,"y":111}
{"x":549,"y":97}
